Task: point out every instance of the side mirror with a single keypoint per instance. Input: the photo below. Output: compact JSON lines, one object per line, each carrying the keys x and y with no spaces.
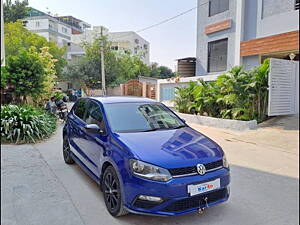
{"x":92,"y":128}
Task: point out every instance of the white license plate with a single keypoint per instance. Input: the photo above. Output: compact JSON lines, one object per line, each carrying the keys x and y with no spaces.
{"x":204,"y":187}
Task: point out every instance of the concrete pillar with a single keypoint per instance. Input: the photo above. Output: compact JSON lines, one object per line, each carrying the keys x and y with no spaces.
{"x":144,"y":89}
{"x":158,"y":91}
{"x":122,"y":89}
{"x":2,"y":37}
{"x":239,"y":33}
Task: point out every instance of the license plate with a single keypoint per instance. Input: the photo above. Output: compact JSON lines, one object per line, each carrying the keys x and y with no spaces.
{"x":204,"y":187}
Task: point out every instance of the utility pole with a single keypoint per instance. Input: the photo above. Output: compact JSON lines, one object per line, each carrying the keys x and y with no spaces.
{"x":102,"y":64}
{"x":2,"y":38}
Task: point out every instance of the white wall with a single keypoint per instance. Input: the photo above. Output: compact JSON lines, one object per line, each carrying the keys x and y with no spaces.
{"x":61,"y":28}
{"x":88,"y":35}
{"x":130,"y":38}
{"x":37,"y":24}
{"x":44,"y":34}
{"x":276,"y":23}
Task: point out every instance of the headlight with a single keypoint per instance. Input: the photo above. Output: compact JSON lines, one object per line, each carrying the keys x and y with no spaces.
{"x":225,"y":162}
{"x":148,"y":171}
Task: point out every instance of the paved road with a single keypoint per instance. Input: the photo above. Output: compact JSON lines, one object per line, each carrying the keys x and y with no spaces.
{"x":39,"y":189}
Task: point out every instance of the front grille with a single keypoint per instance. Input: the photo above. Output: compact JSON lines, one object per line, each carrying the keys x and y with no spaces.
{"x":213,"y":165}
{"x":193,"y":169}
{"x":196,"y":201}
{"x":145,"y":204}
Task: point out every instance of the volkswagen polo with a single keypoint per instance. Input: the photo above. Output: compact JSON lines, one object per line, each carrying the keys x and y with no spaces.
{"x":145,"y":159}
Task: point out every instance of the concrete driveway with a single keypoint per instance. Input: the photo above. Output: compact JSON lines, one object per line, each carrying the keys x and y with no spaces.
{"x":39,"y":189}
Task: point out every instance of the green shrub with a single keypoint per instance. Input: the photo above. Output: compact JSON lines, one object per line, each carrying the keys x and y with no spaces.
{"x":25,"y":124}
{"x":237,"y":94}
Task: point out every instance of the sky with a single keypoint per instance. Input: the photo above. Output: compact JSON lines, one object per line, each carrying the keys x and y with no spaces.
{"x":168,"y":42}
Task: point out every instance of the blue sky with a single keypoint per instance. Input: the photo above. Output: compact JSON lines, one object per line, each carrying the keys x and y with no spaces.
{"x":168,"y":42}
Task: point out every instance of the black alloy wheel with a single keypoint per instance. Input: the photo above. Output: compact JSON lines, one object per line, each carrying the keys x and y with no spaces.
{"x":112,"y":192}
{"x":66,"y":151}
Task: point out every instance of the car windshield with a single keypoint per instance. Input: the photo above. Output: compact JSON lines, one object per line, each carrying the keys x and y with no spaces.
{"x":141,"y":117}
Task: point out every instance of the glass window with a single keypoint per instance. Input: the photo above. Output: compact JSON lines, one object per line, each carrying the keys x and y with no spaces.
{"x":218,"y":6}
{"x":80,"y":108}
{"x":217,"y":55}
{"x":139,"y":117}
{"x":94,"y":115}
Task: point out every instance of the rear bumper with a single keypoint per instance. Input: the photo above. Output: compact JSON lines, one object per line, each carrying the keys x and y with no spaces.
{"x":174,"y":193}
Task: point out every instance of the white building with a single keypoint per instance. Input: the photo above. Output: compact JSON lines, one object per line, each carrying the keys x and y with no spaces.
{"x":78,"y":26}
{"x":89,"y":35}
{"x":49,"y":27}
{"x":132,"y":43}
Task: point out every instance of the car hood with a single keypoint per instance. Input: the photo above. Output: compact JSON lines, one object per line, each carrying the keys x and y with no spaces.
{"x":172,"y":148}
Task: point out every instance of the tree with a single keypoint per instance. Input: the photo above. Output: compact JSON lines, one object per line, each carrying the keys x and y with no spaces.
{"x":119,"y":67}
{"x":161,"y":72}
{"x":30,"y":73}
{"x":4,"y":75}
{"x":17,"y":37}
{"x":15,"y":11}
{"x":49,"y":76}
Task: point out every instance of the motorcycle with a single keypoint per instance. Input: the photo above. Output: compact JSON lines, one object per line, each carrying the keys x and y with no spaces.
{"x":62,"y":109}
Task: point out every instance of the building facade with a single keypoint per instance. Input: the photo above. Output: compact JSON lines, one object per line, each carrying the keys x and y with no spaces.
{"x":89,"y":35}
{"x":245,"y":32}
{"x":78,"y":26}
{"x":48,"y":26}
{"x":132,"y":43}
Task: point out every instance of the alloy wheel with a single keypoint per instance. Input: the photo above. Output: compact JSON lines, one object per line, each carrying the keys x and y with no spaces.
{"x":111,"y":192}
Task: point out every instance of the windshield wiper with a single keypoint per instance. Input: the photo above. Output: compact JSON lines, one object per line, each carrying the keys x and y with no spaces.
{"x":165,"y":128}
{"x":149,"y":130}
{"x":181,"y":126}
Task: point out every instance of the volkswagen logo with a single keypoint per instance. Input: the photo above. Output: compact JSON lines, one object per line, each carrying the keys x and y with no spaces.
{"x":201,"y":169}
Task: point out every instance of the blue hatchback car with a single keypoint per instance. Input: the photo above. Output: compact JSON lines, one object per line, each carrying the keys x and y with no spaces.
{"x":144,"y":157}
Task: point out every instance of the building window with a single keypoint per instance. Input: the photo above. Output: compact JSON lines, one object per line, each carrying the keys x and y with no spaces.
{"x":217,"y":55}
{"x":64,"y":30}
{"x":297,"y":2}
{"x":218,"y":6}
{"x":37,"y":24}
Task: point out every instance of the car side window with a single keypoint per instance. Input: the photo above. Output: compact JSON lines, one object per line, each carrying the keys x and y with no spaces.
{"x":80,"y":108}
{"x":94,"y":115}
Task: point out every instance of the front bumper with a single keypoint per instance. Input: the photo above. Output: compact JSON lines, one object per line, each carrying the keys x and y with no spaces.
{"x":174,"y":193}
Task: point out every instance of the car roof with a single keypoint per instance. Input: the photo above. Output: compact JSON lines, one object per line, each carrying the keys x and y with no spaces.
{"x":121,"y":99}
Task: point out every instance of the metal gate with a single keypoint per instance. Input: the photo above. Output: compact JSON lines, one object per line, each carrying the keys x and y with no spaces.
{"x":133,"y":88}
{"x":283,"y":87}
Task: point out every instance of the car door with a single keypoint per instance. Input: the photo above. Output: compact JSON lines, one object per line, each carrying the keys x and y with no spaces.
{"x":95,"y":142}
{"x":77,"y":131}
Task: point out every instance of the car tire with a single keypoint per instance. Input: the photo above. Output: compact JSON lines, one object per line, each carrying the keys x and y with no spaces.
{"x":66,"y":151}
{"x":111,"y":189}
